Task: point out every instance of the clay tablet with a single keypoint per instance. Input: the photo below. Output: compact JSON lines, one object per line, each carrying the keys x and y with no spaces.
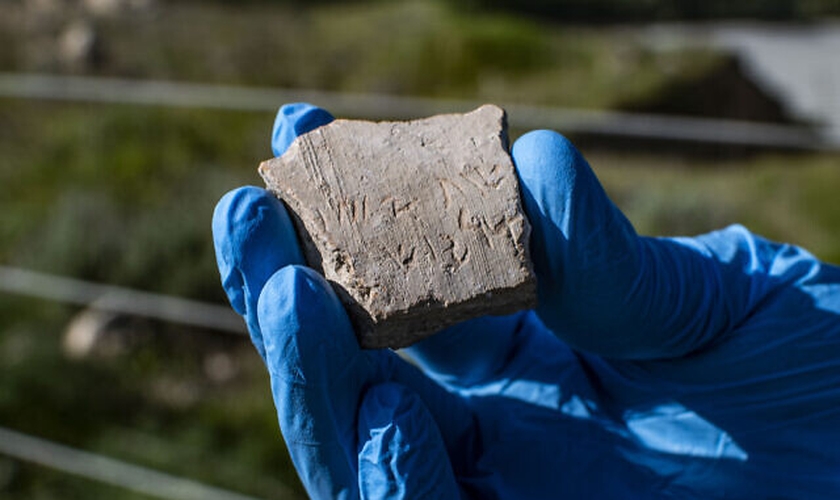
{"x":417,"y":225}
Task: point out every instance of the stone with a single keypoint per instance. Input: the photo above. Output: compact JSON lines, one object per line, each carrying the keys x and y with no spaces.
{"x":417,"y":225}
{"x":79,"y":46}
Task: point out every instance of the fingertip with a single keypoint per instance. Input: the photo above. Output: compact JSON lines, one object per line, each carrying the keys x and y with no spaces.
{"x":294,"y":120}
{"x":545,"y":157}
{"x":228,"y":212}
{"x":225,"y":253}
{"x":254,"y":235}
{"x":548,"y":166}
{"x":235,"y":215}
{"x":253,"y":238}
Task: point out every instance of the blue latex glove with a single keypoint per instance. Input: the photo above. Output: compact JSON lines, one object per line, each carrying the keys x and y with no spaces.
{"x":704,"y":367}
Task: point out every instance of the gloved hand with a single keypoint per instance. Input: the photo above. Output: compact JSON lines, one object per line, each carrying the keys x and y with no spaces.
{"x":699,"y":367}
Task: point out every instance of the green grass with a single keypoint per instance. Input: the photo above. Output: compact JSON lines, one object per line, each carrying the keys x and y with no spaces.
{"x":124,"y":195}
{"x":121,"y":194}
{"x":409,"y":47}
{"x":22,"y":481}
{"x":783,"y":197}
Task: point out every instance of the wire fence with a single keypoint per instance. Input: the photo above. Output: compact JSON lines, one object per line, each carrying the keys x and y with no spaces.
{"x":378,"y":106}
{"x":121,"y":300}
{"x":125,"y":301}
{"x":108,"y":470}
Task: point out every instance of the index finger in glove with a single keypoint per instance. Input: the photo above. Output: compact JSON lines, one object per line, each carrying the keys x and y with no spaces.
{"x":252,"y":232}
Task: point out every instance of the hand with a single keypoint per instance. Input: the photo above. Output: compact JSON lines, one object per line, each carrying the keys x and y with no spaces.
{"x":651,"y":368}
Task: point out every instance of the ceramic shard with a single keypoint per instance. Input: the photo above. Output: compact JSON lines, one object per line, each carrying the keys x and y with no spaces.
{"x":417,"y":225}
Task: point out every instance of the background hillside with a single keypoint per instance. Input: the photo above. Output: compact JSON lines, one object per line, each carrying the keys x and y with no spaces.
{"x":123,"y":194}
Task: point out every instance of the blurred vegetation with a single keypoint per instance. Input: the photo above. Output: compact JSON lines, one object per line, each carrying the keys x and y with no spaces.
{"x":624,"y":11}
{"x":124,"y":195}
{"x":101,"y":191}
{"x":415,"y":47}
{"x":782,"y":197}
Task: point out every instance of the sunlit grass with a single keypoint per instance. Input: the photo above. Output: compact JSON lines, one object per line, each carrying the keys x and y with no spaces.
{"x":789,"y":198}
{"x":409,"y":47}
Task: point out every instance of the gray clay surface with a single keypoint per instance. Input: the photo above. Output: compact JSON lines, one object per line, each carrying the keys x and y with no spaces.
{"x":417,"y":225}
